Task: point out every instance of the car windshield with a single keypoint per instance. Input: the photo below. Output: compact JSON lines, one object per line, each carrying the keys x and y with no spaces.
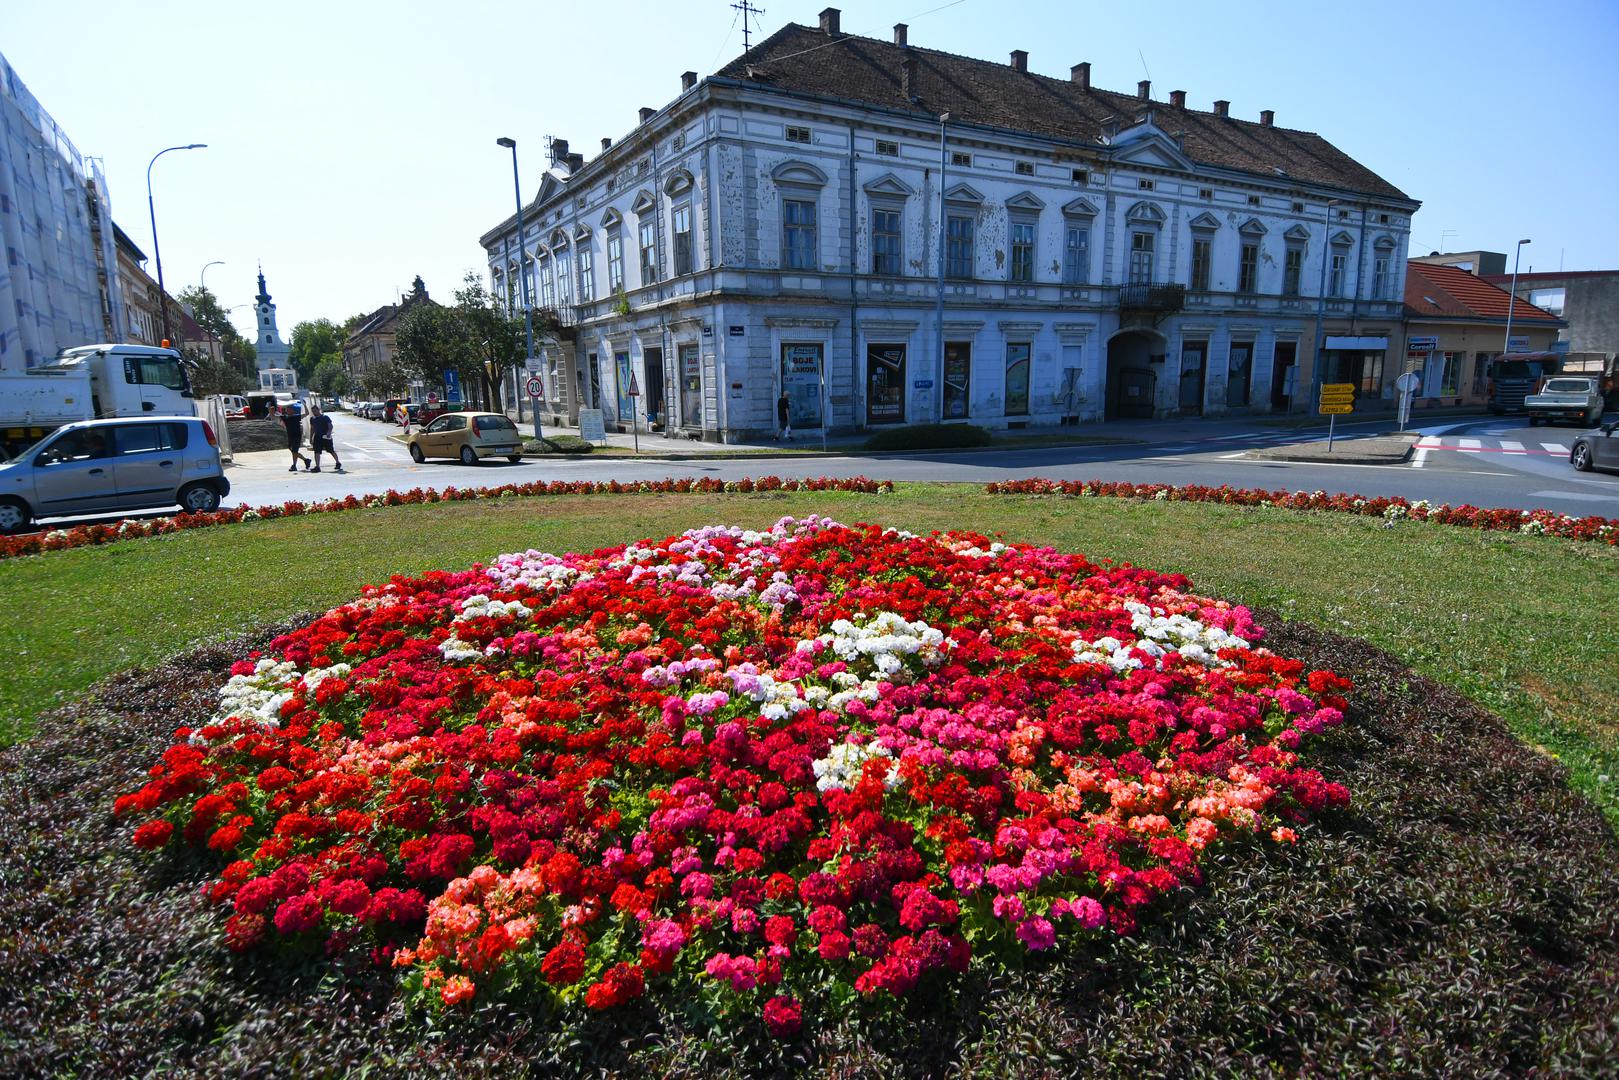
{"x":1567,"y":386}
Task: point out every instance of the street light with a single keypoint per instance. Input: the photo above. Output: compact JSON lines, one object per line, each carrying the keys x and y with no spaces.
{"x":522,"y":277}
{"x":162,"y":297}
{"x":1506,"y":346}
{"x":1316,"y":375}
{"x":203,"y":278}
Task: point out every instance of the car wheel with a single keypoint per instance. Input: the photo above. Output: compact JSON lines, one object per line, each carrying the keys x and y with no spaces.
{"x":469,"y":456}
{"x":14,"y":516}
{"x":416,"y":454}
{"x":198,"y":499}
{"x":514,"y":458}
{"x":1581,"y":457}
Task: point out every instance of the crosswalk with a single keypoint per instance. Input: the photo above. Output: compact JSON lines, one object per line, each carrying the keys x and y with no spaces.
{"x":1511,"y":447}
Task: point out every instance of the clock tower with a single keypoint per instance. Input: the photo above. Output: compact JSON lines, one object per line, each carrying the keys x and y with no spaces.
{"x":273,"y":352}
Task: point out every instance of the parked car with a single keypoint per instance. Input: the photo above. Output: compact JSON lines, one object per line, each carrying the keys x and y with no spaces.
{"x":1566,"y":397}
{"x":1598,"y":449}
{"x":97,"y":466}
{"x":469,"y":436}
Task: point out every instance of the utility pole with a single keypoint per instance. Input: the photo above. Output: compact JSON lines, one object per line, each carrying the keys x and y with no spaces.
{"x":746,"y":9}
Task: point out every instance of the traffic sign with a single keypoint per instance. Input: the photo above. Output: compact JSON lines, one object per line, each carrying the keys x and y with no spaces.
{"x":432,"y":398}
{"x":635,"y":387}
{"x":535,"y":387}
{"x":1336,"y":410}
{"x":1337,"y":399}
{"x":1408,"y":382}
{"x":1338,"y":388}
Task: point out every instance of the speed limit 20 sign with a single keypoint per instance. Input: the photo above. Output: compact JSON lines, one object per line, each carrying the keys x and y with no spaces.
{"x":535,"y":387}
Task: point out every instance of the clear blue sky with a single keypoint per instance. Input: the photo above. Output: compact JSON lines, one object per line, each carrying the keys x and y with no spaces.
{"x":352,"y":143}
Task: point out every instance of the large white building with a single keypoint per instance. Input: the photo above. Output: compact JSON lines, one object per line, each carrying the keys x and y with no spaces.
{"x":780,"y":225}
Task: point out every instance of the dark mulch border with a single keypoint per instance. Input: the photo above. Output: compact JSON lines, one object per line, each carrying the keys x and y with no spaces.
{"x":1461,"y":918}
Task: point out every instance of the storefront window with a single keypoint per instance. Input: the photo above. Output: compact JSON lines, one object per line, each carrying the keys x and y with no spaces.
{"x":1017,"y":378}
{"x":801,"y":378}
{"x":957,"y":378}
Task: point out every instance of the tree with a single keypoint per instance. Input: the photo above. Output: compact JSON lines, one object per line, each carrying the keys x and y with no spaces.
{"x":381,"y":381}
{"x":497,"y":337}
{"x":210,"y":376}
{"x":431,"y":340}
{"x":329,"y":379}
{"x":313,"y":342}
{"x":239,"y":353}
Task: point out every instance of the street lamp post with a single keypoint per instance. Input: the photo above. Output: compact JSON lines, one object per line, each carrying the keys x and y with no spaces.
{"x":1512,"y":296}
{"x":1317,"y":375}
{"x":938,"y":300}
{"x":151,"y":208}
{"x":522,"y":278}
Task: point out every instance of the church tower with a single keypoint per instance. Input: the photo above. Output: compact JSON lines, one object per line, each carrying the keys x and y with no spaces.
{"x":273,"y":352}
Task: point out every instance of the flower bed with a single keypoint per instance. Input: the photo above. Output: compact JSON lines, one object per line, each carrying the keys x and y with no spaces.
{"x":89,"y":535}
{"x":775,"y":770}
{"x":1391,"y":509}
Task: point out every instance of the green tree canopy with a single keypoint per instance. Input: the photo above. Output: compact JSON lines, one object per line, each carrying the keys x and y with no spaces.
{"x":329,"y":379}
{"x":380,"y":381}
{"x":211,"y":316}
{"x":312,"y":342}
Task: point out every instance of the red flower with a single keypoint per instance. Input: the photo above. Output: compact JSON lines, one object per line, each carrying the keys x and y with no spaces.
{"x":783,"y":1017}
{"x":153,"y":834}
{"x":565,"y":963}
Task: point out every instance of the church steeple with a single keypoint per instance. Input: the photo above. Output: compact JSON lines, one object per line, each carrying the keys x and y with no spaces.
{"x":264,"y":297}
{"x":273,"y":352}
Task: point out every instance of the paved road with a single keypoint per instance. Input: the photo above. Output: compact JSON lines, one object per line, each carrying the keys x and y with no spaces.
{"x":1497,"y":462}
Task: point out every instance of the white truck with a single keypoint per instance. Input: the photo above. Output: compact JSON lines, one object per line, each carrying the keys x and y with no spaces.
{"x":1566,"y":397}
{"x":91,"y":382}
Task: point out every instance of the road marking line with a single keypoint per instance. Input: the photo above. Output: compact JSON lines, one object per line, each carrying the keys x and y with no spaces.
{"x":1510,"y":447}
{"x":1467,"y":446}
{"x":1580,"y":496}
{"x":1555,"y":447}
{"x":1238,"y":454}
{"x":1420,"y":459}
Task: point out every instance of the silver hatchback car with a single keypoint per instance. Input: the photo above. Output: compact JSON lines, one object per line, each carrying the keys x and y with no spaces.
{"x":101,"y":466}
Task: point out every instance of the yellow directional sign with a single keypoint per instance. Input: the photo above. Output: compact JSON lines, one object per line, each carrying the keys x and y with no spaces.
{"x":1335,"y":400}
{"x":1338,"y":388}
{"x":1336,"y":410}
{"x":1330,"y":394}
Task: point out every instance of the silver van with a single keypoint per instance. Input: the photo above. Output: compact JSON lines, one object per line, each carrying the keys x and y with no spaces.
{"x":107,"y":466}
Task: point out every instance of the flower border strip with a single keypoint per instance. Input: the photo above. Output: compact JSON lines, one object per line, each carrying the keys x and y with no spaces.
{"x":12,"y":547}
{"x":1390,"y":508}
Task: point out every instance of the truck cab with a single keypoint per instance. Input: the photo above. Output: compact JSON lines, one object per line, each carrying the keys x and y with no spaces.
{"x":132,"y":380}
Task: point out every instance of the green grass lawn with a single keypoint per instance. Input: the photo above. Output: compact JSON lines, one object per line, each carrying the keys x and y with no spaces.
{"x":1523,"y":625}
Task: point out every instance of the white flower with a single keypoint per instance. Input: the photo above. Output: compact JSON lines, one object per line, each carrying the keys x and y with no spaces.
{"x":842,"y":766}
{"x":1158,"y":635}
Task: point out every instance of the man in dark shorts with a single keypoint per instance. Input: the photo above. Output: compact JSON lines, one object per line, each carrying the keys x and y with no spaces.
{"x":320,"y":438}
{"x":292,"y":418}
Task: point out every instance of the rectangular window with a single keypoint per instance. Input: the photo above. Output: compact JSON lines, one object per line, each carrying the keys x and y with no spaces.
{"x":649,"y":251}
{"x":1081,"y":176}
{"x":958,"y":262}
{"x":1380,"y":277}
{"x":1298,"y":208}
{"x":1336,"y":275}
{"x":885,"y":253}
{"x":798,"y":134}
{"x":626,"y":404}
{"x":691,"y":388}
{"x":1202,"y":249}
{"x":1076,"y":255}
{"x":1144,"y":185}
{"x":1017,"y":378}
{"x":587,"y":272}
{"x":801,"y":382}
{"x":1205,"y":193}
{"x":1248,"y":267}
{"x":1551,"y":300}
{"x":1292,"y":270}
{"x":1024,"y":168}
{"x":564,"y":277}
{"x":1239,"y":370}
{"x":887,"y":149}
{"x":958,"y":158}
{"x":1022,"y":251}
{"x":682,"y":230}
{"x":548,"y":295}
{"x":615,"y":260}
{"x":1253,"y":200}
{"x":958,"y":362}
{"x":885,"y":384}
{"x":1450,"y":382}
{"x":798,"y":225}
{"x":1141,"y":245}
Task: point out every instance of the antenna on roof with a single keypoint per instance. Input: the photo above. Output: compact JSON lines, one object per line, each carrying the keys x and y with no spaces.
{"x":746,"y":9}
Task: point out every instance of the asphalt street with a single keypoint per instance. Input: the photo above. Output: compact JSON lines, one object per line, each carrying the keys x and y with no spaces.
{"x":1486,"y":462}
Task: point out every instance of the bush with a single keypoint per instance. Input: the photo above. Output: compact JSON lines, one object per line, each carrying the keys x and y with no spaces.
{"x":558,"y":444}
{"x":929,"y":437}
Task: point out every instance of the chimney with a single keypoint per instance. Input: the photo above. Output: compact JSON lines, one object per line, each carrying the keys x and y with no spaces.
{"x":1177,"y":98}
{"x":1081,"y":75}
{"x":647,"y":113}
{"x":1267,"y":118}
{"x":688,"y":79}
{"x":908,"y":80}
{"x":606,"y":144}
{"x":1020,"y":60}
{"x":1222,"y":108}
{"x":559,"y":149}
{"x":1144,"y":90}
{"x":899,"y":34}
{"x":575,"y":163}
{"x":829,"y":22}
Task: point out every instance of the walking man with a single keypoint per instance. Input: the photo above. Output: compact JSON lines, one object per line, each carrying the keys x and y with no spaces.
{"x":784,"y":417}
{"x":320,"y":438}
{"x":292,"y":418}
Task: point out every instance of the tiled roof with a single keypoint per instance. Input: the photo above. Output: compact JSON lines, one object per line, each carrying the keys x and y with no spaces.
{"x":1451,"y":292}
{"x":805,"y":60}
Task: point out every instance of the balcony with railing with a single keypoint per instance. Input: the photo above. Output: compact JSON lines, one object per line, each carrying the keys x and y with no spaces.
{"x":1141,"y":297}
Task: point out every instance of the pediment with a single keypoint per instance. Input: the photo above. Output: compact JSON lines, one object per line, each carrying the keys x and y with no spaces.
{"x":1297,"y":232}
{"x":559,"y":239}
{"x":679,"y":181}
{"x":890,"y":186}
{"x":1342,"y":239}
{"x":1145,"y":213}
{"x":548,"y":187}
{"x":801,"y":173}
{"x":1026,"y":201}
{"x":610,"y":218}
{"x":963,"y":193}
{"x":1080,"y":207}
{"x":1145,"y":143}
{"x":1205,"y":222}
{"x":643,"y":203}
{"x":581,"y":234}
{"x":1384,"y":243}
{"x":1252,"y":227}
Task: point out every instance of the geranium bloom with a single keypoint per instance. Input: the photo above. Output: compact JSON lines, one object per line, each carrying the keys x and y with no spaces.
{"x":747,"y":762}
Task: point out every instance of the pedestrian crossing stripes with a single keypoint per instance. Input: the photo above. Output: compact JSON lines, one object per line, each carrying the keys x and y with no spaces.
{"x":1512,"y":447}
